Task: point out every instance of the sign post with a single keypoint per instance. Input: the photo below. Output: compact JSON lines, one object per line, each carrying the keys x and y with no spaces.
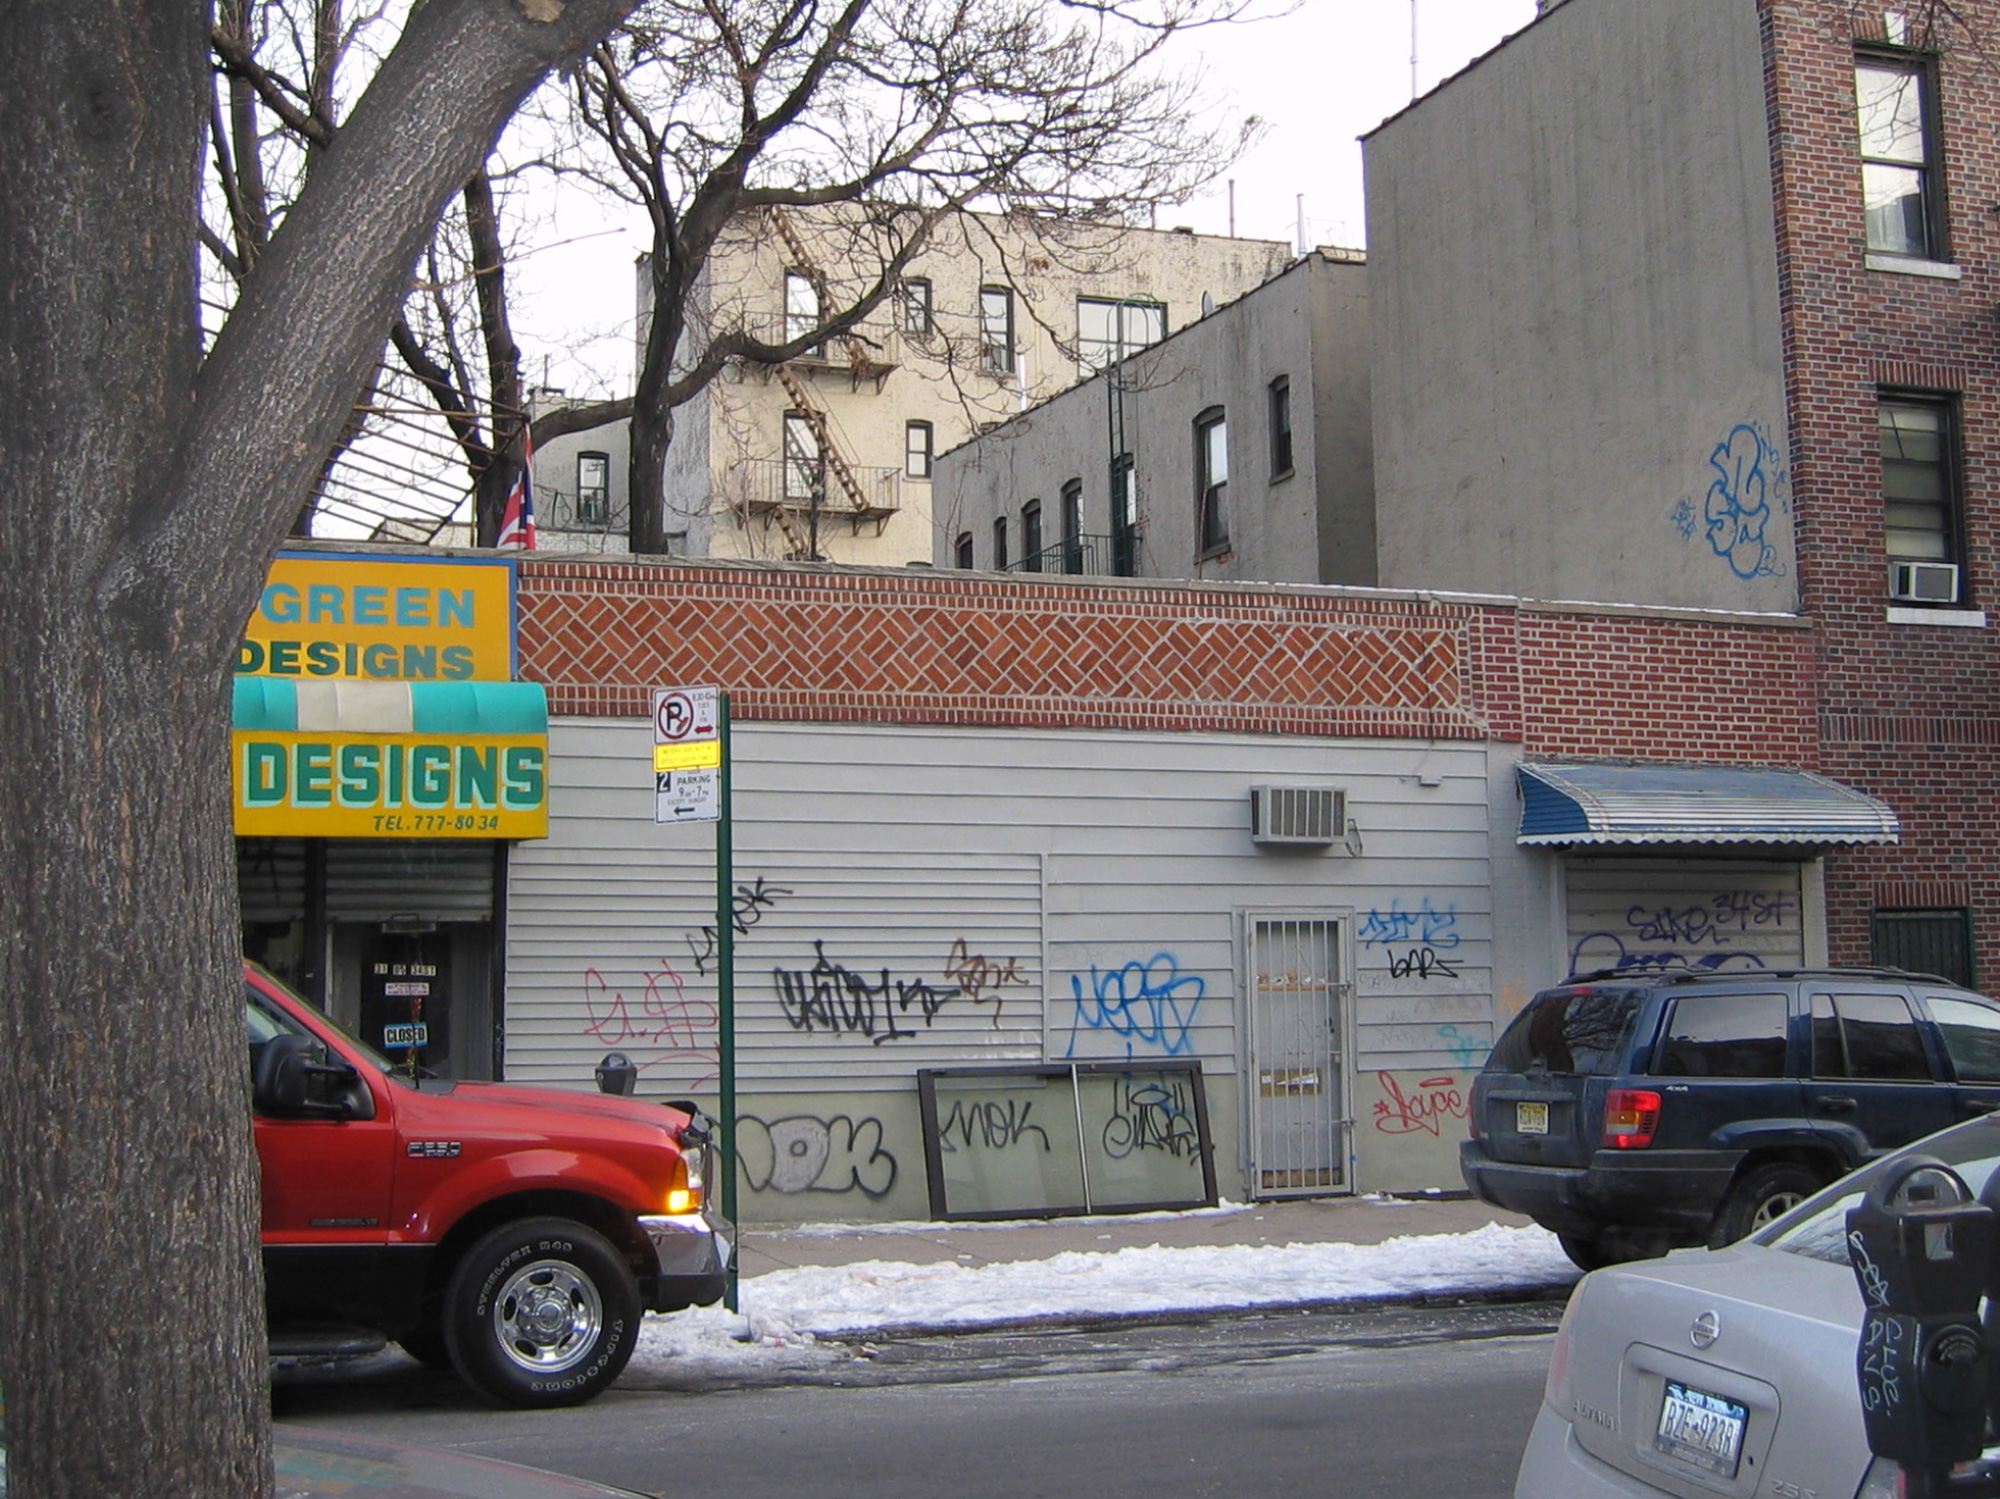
{"x":691,"y":784}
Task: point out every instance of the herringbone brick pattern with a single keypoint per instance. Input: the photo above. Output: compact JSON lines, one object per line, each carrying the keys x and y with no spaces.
{"x":805,"y":644}
{"x":810,"y":644}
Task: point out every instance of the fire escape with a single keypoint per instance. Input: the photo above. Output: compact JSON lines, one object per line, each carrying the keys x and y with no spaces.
{"x":794,"y":493}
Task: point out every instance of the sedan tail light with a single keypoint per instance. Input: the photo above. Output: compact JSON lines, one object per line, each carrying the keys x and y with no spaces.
{"x":1631,"y":1118}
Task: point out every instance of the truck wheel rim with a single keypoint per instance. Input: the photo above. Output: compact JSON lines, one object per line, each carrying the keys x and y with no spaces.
{"x":547,"y":1317}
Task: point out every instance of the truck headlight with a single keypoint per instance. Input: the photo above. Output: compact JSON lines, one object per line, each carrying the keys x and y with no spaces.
{"x":684,"y":1190}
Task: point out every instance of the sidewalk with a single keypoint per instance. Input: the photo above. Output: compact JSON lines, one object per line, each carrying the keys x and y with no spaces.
{"x":1321,"y":1220}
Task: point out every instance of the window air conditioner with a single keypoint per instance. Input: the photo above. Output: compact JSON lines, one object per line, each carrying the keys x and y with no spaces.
{"x":1297,"y":815}
{"x":1924,"y":582}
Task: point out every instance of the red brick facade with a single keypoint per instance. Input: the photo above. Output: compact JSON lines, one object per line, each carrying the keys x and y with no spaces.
{"x":805,"y":643}
{"x":1905,"y":711}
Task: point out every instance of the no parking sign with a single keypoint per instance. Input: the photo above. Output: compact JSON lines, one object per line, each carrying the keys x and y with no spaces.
{"x":687,"y":754}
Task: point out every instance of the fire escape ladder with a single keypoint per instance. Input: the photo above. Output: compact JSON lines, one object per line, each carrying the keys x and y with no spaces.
{"x":835,"y":461}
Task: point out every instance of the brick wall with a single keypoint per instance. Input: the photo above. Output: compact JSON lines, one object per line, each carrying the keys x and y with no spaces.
{"x":804,"y":643}
{"x":1906,"y":711}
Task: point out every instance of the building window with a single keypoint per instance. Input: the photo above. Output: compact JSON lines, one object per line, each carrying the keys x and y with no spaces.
{"x":916,"y":305}
{"x":1936,"y":941}
{"x":1108,"y":331}
{"x":964,"y":550}
{"x":1211,"y":480}
{"x":1124,"y":518}
{"x":801,"y":306}
{"x":996,"y":329}
{"x":1072,"y":526}
{"x":1031,"y":536}
{"x":593,"y":488}
{"x":1281,"y":427}
{"x":804,"y":477}
{"x":917,"y":449}
{"x":1920,"y":500}
{"x":1900,"y":183}
{"x":1000,"y":543}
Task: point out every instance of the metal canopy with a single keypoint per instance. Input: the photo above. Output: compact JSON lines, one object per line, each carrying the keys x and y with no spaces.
{"x":1597,"y":804}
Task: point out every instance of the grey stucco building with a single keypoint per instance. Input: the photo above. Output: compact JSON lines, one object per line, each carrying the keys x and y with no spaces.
{"x":1238,"y":448}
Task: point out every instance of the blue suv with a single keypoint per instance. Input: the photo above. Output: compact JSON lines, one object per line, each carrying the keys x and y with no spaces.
{"x":1632,"y":1114}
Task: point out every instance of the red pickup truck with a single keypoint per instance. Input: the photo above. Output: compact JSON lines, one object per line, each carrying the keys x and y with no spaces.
{"x":516,"y":1235}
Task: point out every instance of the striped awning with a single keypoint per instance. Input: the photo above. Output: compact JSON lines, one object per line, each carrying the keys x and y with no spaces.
{"x":289,"y":706}
{"x":1600,"y":804}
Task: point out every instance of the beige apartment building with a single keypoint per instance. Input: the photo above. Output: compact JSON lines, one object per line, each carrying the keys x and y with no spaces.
{"x":830,"y":456}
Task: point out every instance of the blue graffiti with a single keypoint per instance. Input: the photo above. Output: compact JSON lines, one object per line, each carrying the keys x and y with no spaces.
{"x":1150,"y":1004}
{"x":1426,"y":925}
{"x":1468,"y":1048}
{"x":1738,"y":507}
{"x":1605,"y":952}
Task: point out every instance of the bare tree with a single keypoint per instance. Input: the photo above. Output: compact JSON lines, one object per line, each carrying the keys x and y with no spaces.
{"x":912,"y":111}
{"x":151,"y":459}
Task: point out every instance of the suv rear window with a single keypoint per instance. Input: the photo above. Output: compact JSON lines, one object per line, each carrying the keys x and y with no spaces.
{"x":1581,"y":1030}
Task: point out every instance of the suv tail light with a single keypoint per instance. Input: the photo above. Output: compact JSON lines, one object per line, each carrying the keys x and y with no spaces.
{"x":1631,"y":1118}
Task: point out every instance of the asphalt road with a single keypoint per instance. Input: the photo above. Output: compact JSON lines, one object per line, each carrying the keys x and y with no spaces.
{"x":1388,"y":1403}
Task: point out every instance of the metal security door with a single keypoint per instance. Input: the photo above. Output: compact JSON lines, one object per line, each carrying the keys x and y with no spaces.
{"x":1298,"y":1104}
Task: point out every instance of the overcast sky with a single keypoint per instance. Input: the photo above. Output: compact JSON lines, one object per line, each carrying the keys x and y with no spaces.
{"x":1319,"y":78}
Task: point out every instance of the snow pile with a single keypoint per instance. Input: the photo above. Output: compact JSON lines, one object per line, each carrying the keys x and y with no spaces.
{"x":783,"y":1310}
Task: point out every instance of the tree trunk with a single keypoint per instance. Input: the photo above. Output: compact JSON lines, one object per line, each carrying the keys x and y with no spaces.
{"x":142,"y":490}
{"x":646,"y":478}
{"x":131,"y":1328}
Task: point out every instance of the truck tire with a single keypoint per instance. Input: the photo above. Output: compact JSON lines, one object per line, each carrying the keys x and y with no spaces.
{"x":1759,"y":1195}
{"x":541,"y":1313}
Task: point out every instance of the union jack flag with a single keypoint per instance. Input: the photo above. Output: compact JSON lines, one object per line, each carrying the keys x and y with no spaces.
{"x":517,"y":520}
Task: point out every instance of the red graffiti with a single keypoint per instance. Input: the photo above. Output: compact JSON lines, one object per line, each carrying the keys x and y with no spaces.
{"x":1436,"y":1100}
{"x":676,"y":1030}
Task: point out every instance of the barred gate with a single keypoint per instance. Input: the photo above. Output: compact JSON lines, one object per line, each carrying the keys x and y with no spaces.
{"x":1298,"y":1099}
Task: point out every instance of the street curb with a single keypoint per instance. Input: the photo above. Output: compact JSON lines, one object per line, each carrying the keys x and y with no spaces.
{"x":1554,"y":1292}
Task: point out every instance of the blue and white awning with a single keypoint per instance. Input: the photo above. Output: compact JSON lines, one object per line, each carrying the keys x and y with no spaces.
{"x":1600,"y":804}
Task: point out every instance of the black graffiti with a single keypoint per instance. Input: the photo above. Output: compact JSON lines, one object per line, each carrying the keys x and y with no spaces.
{"x":747,"y":906}
{"x":831,"y":996}
{"x":804,"y":1153}
{"x":1150,"y":1113}
{"x":1420,"y":962}
{"x":994,"y":1124}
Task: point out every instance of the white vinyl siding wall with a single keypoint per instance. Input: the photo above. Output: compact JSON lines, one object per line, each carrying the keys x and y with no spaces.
{"x":1087,"y":891}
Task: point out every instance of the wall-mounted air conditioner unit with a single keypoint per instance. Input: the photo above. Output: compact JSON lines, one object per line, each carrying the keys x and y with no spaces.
{"x":1297,"y":815}
{"x":1924,"y":582}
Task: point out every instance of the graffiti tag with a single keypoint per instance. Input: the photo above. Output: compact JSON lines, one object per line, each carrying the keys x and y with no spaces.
{"x":1435,"y":1100}
{"x":1426,"y":925}
{"x":832,"y":997}
{"x":1150,"y":1004}
{"x":803,"y":1153}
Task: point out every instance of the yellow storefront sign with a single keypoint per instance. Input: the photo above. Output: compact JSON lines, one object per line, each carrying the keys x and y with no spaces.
{"x":387,"y":785}
{"x":335,"y":617}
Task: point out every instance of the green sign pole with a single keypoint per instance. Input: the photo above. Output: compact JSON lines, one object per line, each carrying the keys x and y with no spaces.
{"x":725,"y":948}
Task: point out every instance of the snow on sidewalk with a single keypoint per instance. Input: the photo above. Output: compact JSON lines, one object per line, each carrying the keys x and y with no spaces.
{"x":783,"y":1310}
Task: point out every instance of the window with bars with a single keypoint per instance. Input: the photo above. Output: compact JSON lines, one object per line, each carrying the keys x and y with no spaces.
{"x":1936,"y":940}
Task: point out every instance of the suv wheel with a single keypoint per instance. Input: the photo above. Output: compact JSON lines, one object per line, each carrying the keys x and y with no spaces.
{"x":544,"y":1312}
{"x":1760,"y":1195}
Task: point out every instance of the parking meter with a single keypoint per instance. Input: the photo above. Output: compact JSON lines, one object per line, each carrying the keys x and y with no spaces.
{"x":1919,"y":1246}
{"x":617,"y":1075}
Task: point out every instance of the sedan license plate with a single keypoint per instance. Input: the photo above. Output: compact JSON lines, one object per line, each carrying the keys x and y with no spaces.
{"x":1703,"y":1429}
{"x":1531,"y":1118}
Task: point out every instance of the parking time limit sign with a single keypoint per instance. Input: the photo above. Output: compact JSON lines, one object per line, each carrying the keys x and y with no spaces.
{"x":687,"y":754}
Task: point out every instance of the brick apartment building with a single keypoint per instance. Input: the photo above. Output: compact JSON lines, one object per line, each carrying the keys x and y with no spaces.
{"x":1691,"y":302}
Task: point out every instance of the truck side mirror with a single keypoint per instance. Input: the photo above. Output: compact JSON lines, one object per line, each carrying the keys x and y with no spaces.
{"x":1919,"y":1246}
{"x":282,"y":1083}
